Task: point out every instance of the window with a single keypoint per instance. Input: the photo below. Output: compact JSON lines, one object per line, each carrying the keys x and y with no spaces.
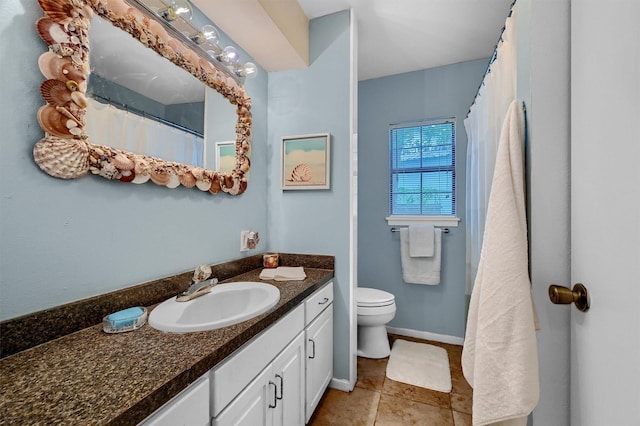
{"x":422,"y":176}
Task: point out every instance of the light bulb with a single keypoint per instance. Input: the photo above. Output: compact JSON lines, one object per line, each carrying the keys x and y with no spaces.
{"x":197,"y":38}
{"x":230,"y":55}
{"x":249,"y":70}
{"x":210,"y":34}
{"x":183,"y":9}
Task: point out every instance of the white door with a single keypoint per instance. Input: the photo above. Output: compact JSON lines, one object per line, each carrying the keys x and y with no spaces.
{"x":605,"y":211}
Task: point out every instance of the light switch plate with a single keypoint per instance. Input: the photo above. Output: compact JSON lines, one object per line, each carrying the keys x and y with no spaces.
{"x":244,"y":237}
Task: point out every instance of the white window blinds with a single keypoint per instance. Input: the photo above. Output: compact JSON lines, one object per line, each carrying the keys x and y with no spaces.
{"x":422,"y":176}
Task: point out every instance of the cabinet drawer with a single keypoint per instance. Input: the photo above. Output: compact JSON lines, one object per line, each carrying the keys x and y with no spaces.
{"x":318,"y":302}
{"x":240,"y":368}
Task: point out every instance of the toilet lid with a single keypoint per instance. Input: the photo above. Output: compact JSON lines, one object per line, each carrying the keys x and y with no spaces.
{"x":373,"y":297}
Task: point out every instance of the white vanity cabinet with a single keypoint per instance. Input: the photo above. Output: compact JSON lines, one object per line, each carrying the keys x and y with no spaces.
{"x":319,"y":339}
{"x":189,"y":407}
{"x":275,"y":397}
{"x":277,"y":378}
{"x":260,"y":385}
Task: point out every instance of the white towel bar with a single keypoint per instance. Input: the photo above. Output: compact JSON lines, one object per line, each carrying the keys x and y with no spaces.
{"x":444,"y":230}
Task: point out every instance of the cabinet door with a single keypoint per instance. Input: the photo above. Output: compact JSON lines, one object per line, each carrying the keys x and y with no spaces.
{"x":190,"y":407}
{"x":319,"y":361}
{"x":288,"y":374}
{"x":252,"y":406}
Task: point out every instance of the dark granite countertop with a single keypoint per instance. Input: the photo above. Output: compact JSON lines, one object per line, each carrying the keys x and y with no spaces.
{"x":90,"y":377}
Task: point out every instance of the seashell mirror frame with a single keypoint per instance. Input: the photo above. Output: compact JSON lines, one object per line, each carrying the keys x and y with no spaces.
{"x":65,"y":151}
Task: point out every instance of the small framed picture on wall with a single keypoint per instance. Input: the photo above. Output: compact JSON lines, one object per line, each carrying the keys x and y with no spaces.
{"x":225,"y":156}
{"x":306,"y":162}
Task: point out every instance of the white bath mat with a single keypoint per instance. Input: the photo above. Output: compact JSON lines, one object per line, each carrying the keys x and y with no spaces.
{"x":419,"y":364}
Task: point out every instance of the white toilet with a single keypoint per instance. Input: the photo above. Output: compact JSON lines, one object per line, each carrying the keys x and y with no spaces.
{"x":375,"y":309}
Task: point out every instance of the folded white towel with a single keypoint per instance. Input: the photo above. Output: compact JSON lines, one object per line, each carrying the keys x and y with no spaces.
{"x":284,"y":273}
{"x":421,"y":240}
{"x":420,"y":270}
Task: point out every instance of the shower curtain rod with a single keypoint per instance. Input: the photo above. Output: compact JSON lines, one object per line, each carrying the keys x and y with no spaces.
{"x":494,"y":56}
{"x":146,"y":115}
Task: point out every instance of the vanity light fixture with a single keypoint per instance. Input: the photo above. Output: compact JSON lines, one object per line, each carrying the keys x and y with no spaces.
{"x":177,"y":9}
{"x":176,"y":16}
{"x":210,"y":34}
{"x":248,"y":70}
{"x":230,"y":55}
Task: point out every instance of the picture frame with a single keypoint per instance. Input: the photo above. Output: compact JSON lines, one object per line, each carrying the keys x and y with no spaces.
{"x":306,"y":162}
{"x":225,"y":156}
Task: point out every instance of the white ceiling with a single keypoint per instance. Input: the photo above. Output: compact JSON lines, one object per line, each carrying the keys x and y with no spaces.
{"x":394,"y":36}
{"x":397,"y":36}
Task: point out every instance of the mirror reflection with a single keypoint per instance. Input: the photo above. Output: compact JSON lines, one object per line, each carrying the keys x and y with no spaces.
{"x":143,"y":103}
{"x":68,"y":149}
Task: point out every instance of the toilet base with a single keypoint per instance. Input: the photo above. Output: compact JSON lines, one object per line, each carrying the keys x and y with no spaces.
{"x":373,"y":341}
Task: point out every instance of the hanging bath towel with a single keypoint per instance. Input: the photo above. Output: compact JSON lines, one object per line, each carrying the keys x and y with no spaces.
{"x":499,"y":357}
{"x":421,"y":270}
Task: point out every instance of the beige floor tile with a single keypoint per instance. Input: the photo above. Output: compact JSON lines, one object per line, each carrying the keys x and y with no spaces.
{"x":461,"y":419}
{"x":371,"y":373}
{"x":461,"y":392}
{"x":455,"y":356}
{"x":378,"y":400}
{"x":415,"y":393}
{"x":357,"y":408}
{"x":459,"y":384}
{"x":397,"y":411}
{"x":461,"y":403}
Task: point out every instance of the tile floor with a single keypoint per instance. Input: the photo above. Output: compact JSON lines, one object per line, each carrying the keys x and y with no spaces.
{"x":377,"y":400}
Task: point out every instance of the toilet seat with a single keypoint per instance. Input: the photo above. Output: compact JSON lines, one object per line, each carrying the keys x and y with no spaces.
{"x":371,"y":297}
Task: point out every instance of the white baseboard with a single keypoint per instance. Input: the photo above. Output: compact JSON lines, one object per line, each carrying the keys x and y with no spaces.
{"x":341,"y":384}
{"x":442,"y":338}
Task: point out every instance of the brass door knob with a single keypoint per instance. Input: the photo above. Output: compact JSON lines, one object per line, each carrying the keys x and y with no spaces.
{"x":560,"y":295}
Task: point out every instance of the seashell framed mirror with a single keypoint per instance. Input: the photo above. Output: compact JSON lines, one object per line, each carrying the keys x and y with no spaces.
{"x":66,"y":151}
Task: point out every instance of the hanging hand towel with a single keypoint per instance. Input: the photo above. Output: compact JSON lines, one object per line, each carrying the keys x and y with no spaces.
{"x":499,"y":356}
{"x":421,"y":240}
{"x":420,"y":270}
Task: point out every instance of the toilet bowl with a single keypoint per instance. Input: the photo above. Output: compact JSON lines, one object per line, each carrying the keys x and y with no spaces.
{"x":375,"y":308}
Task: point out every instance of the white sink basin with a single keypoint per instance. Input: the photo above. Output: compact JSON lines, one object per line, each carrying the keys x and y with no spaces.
{"x":225,"y":305}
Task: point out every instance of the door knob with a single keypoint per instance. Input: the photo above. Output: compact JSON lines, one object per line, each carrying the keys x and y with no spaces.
{"x":560,"y":295}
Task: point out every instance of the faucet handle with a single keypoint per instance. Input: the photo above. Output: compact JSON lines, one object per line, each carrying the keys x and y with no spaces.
{"x":204,"y":285}
{"x":196,"y":290}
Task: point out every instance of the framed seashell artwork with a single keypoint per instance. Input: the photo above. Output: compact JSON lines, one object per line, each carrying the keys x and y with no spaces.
{"x":225,"y":156}
{"x":66,"y":150}
{"x":306,"y":162}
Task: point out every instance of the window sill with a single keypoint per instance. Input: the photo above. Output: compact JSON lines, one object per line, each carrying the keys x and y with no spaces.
{"x":449,"y":221}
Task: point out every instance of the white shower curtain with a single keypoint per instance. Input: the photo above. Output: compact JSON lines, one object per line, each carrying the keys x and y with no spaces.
{"x":483,"y":125}
{"x":108,"y":125}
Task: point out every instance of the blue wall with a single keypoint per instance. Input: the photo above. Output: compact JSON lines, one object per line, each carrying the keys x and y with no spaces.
{"x":316,"y":100}
{"x":66,"y":240}
{"x":434,"y":93}
{"x":62,"y":241}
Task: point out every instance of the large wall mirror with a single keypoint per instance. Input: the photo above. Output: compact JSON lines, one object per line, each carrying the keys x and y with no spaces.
{"x":69,"y":150}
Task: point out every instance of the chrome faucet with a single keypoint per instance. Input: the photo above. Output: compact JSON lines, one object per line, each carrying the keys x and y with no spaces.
{"x":196,"y":289}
